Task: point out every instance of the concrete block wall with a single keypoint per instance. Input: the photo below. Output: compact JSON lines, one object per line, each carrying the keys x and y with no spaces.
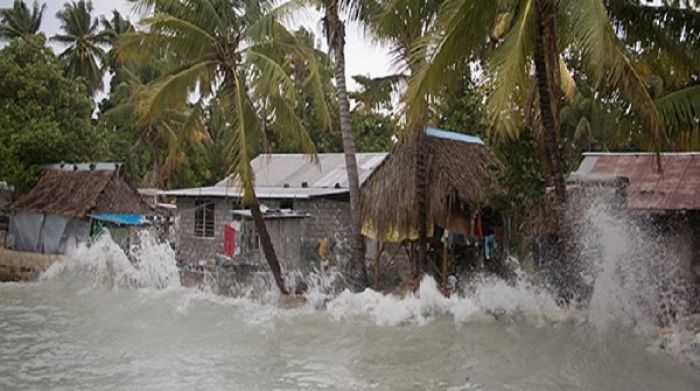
{"x":191,"y":248}
{"x":329,"y":219}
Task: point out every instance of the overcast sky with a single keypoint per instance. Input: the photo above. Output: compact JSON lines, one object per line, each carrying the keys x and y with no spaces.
{"x":362,"y":57}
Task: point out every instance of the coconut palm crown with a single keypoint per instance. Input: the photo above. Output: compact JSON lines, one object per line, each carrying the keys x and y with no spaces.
{"x":19,"y":21}
{"x":232,"y":54}
{"x":84,"y":56}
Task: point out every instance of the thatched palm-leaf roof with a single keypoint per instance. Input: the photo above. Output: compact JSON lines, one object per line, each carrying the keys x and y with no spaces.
{"x":78,"y":193}
{"x":456,"y":170}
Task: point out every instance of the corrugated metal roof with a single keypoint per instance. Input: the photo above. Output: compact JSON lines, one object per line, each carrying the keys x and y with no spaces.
{"x":96,"y":166}
{"x":295,"y":170}
{"x":260,"y":192}
{"x":676,"y":187}
{"x":272,"y":214}
{"x":151,"y":191}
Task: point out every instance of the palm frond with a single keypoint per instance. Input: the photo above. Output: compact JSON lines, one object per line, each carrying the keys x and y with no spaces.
{"x":509,"y":71}
{"x":315,"y":87}
{"x":680,"y":109}
{"x":163,"y":23}
{"x":460,"y":29}
{"x":666,"y":35}
{"x":607,"y":60}
{"x":288,"y":125}
{"x":270,"y":78}
{"x":172,"y":90}
{"x":244,"y":120}
{"x":567,"y":83}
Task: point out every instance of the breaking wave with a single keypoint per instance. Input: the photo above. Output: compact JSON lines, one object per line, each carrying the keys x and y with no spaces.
{"x":488,"y":299}
{"x":628,"y":291}
{"x":104,"y":264}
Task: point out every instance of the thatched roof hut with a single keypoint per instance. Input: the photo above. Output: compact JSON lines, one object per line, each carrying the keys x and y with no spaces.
{"x":77,"y":193}
{"x":460,"y":168}
{"x":68,"y":202}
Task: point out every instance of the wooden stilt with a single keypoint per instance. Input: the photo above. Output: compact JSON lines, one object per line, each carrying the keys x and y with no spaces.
{"x":377,"y":259}
{"x":444,"y":265}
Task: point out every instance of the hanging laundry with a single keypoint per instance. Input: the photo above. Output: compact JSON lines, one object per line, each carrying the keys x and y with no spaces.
{"x":489,"y":243}
{"x":324,"y":248}
{"x":478,"y":230}
{"x":229,"y":240}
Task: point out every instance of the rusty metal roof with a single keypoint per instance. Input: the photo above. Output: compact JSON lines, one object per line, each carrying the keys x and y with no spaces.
{"x":675,"y":187}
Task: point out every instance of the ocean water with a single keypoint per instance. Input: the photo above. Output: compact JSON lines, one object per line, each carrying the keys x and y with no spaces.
{"x":100,"y":322}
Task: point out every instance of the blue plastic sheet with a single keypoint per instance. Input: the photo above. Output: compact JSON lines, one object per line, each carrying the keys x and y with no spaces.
{"x":447,"y":135}
{"x":121,"y":218}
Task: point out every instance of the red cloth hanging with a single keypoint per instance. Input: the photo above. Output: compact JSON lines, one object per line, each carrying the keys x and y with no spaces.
{"x":229,"y":240}
{"x":478,"y":230}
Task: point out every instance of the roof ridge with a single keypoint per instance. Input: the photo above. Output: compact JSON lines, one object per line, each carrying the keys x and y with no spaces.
{"x":642,"y":153}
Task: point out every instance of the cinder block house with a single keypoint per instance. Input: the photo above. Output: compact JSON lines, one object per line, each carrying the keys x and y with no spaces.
{"x":306,"y":205}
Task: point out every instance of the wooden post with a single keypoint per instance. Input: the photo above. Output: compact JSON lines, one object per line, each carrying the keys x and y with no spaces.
{"x":444,"y":265}
{"x":377,"y":258}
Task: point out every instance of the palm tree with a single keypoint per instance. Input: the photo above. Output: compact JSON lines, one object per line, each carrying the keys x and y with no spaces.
{"x":667,"y":40}
{"x":527,"y":32}
{"x":334,"y":28}
{"x":229,"y":51}
{"x":530,"y":40}
{"x":19,"y":21}
{"x":84,"y":55}
{"x":112,"y":29}
{"x":374,"y":93}
{"x":168,"y":135}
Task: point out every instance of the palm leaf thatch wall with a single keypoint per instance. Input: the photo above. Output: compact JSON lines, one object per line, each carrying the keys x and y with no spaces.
{"x":456,"y":171}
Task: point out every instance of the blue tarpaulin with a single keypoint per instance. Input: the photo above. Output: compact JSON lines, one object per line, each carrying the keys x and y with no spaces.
{"x":444,"y":134}
{"x":121,"y":218}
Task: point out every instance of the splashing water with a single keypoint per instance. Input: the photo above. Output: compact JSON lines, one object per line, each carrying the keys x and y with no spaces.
{"x":636,"y":278}
{"x":488,"y":300}
{"x":104,"y":264}
{"x":99,"y":320}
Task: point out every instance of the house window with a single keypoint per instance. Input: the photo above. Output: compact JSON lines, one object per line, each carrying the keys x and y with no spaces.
{"x":204,"y":219}
{"x":251,"y":235}
{"x":287,"y":203}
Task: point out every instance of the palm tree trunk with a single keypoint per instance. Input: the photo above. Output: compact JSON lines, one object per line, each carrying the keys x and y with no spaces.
{"x":266,"y":244}
{"x":336,"y":38}
{"x":422,"y":201}
{"x":251,"y":201}
{"x":546,"y":58}
{"x":155,"y":169}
